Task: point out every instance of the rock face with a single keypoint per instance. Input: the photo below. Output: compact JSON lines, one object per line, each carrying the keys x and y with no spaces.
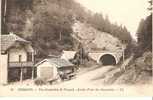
{"x":94,"y":39}
{"x":96,"y":42}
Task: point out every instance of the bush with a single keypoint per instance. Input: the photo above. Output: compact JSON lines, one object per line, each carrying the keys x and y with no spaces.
{"x":145,"y":61}
{"x":40,"y":81}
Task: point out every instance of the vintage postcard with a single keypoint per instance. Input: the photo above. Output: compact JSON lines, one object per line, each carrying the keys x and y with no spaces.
{"x":76,"y":48}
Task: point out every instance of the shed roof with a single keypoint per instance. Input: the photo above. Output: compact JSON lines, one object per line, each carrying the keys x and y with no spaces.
{"x":8,"y":40}
{"x":59,"y":62}
{"x":68,"y":55}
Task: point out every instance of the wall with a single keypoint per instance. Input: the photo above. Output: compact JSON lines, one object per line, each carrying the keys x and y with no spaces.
{"x":14,"y":55}
{"x":94,"y":56}
{"x":48,"y":67}
{"x":3,"y":69}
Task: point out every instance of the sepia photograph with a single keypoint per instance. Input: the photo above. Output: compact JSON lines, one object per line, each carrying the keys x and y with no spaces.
{"x":76,"y":48}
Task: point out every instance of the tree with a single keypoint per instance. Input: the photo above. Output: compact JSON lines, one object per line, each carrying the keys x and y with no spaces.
{"x":144,"y":34}
{"x":52,"y":27}
{"x":15,"y":15}
{"x":150,"y":6}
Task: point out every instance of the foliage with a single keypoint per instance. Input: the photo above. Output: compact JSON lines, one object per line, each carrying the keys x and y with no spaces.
{"x":144,"y":62}
{"x":150,"y":6}
{"x":40,"y":81}
{"x":47,"y":23}
{"x":103,"y":24}
{"x":52,"y":27}
{"x":144,"y":34}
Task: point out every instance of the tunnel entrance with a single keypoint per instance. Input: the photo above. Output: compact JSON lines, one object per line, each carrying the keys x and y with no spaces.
{"x":107,"y":59}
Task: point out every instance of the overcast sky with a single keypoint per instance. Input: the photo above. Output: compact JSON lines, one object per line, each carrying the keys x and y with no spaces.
{"x":125,"y":12}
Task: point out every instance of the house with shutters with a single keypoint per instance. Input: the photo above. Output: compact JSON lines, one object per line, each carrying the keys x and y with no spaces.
{"x":17,"y":59}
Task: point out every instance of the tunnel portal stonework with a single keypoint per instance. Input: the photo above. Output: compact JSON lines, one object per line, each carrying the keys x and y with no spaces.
{"x":97,"y":56}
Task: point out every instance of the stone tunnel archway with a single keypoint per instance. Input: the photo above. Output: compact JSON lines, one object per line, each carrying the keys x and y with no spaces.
{"x":108,"y":59}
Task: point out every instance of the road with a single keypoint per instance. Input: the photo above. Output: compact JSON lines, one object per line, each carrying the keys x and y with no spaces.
{"x":93,"y":77}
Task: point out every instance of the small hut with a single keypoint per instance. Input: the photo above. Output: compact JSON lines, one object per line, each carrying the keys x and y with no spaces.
{"x":51,"y":68}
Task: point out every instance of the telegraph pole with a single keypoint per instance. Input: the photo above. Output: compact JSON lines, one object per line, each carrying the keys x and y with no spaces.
{"x":60,"y":38}
{"x":3,"y":14}
{"x":123,"y":52}
{"x":123,"y":48}
{"x":0,"y":21}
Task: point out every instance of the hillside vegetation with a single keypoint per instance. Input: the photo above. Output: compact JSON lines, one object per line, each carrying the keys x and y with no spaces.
{"x":48,"y":23}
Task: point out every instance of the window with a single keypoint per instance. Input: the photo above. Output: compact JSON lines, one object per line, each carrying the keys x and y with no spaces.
{"x":20,"y":58}
{"x":29,"y":56}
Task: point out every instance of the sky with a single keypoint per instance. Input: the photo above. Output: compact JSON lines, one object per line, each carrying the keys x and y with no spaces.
{"x":125,"y":12}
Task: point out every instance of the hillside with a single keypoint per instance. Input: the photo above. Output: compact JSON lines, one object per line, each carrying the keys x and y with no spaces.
{"x":94,"y":39}
{"x":48,"y":24}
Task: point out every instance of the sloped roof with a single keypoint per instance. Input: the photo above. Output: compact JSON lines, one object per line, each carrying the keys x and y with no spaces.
{"x":59,"y":62}
{"x":8,"y":40}
{"x":67,"y":55}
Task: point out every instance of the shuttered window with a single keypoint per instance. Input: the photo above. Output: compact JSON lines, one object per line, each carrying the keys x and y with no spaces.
{"x":29,"y":56}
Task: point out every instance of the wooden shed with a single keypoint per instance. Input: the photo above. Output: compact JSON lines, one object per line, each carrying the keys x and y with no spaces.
{"x":51,"y":68}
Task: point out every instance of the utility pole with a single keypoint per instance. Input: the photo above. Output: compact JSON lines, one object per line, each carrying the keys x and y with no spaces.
{"x":60,"y":36}
{"x":33,"y":67}
{"x":123,"y":48}
{"x":0,"y":21}
{"x":123,"y":53}
{"x":3,"y":14}
{"x":21,"y":69}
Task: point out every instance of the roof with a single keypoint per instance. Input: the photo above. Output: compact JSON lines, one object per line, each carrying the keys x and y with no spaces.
{"x":67,"y":55}
{"x":59,"y":62}
{"x":8,"y":40}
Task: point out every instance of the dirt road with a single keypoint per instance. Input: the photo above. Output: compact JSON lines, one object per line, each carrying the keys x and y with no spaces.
{"x":93,"y":77}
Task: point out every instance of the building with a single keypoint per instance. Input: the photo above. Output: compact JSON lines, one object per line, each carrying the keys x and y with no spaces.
{"x":17,"y":59}
{"x":51,"y":68}
{"x":67,"y":55}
